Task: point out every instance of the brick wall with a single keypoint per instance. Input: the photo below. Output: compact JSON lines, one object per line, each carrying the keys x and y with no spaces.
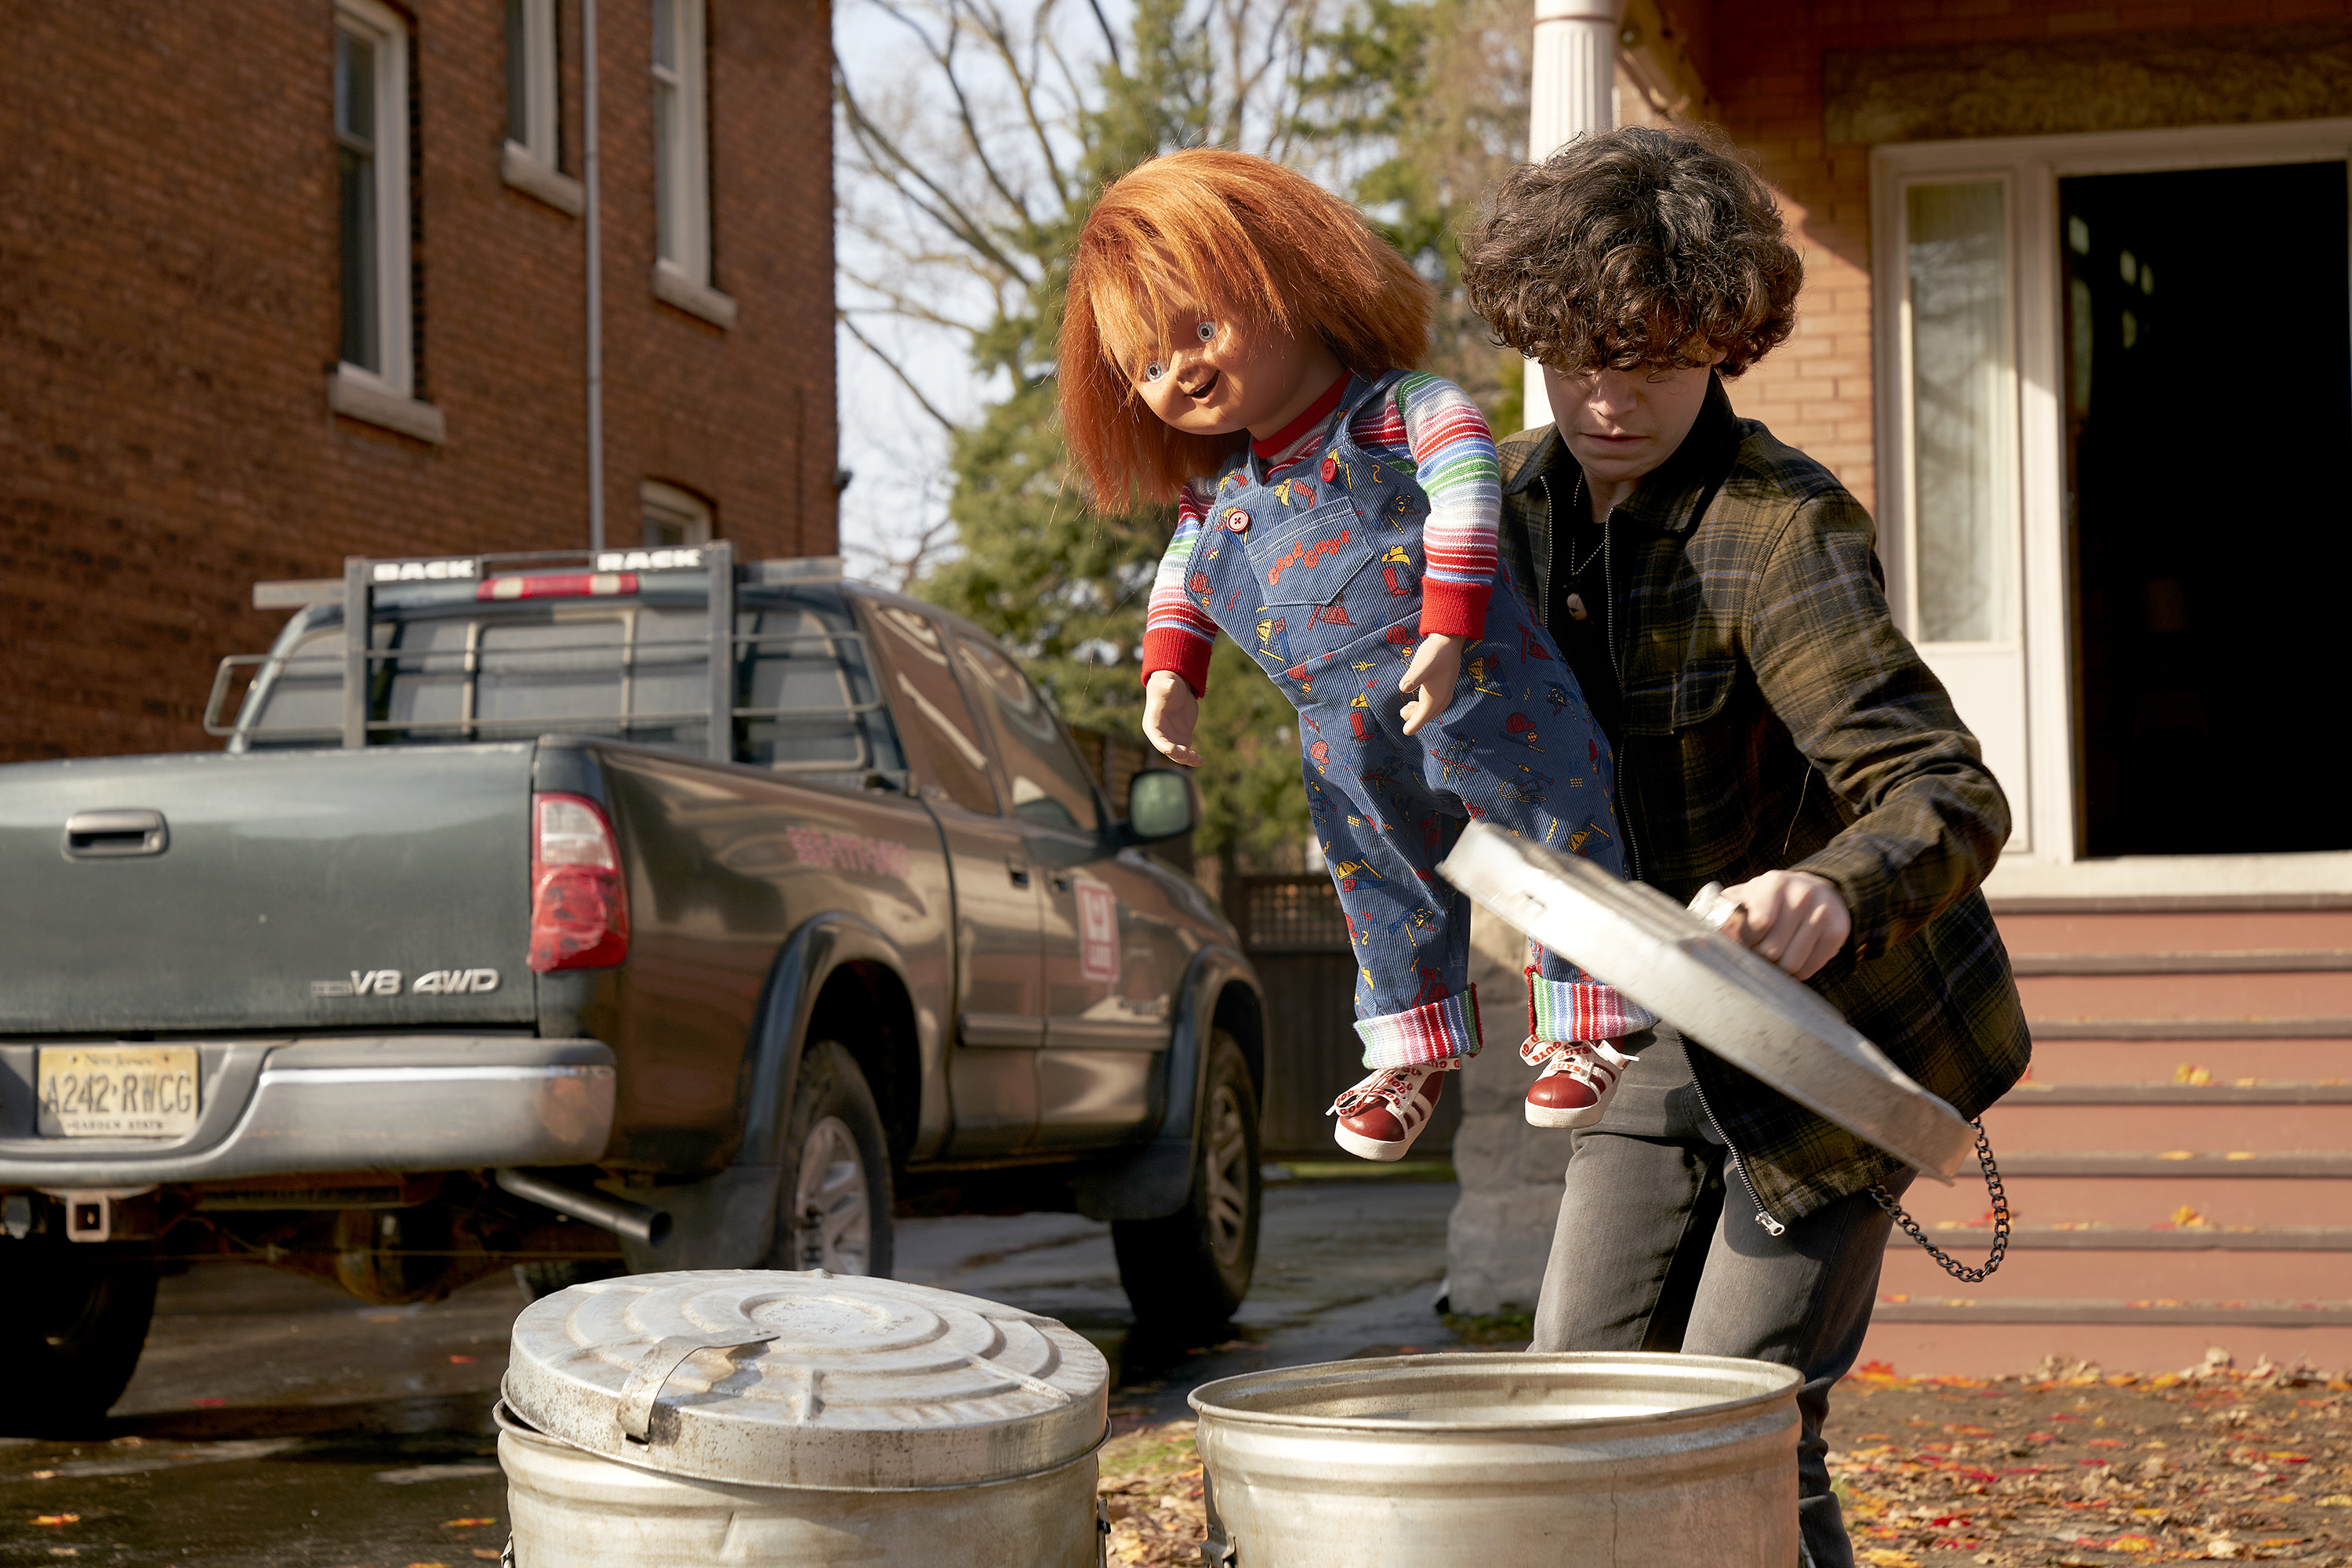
{"x":169,"y":316}
{"x":1762,"y":61}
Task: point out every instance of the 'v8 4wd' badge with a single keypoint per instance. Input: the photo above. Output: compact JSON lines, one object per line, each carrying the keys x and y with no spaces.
{"x":387,"y":982}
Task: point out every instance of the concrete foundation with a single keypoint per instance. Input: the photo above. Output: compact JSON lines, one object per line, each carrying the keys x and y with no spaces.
{"x":1510,"y":1172}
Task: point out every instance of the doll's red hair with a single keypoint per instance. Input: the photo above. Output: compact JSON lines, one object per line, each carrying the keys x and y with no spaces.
{"x":1239,"y":233}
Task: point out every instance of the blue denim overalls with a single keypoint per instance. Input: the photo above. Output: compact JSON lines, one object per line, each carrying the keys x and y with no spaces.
{"x":1319,"y":574}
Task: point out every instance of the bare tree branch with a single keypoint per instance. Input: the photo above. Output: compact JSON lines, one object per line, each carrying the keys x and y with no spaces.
{"x":993,"y":28}
{"x":942,"y":208}
{"x":893,"y":366}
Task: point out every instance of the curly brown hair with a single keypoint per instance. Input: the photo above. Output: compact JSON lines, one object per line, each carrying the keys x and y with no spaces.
{"x":1631,"y":248}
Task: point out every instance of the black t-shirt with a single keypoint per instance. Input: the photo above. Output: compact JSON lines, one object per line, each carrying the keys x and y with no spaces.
{"x":1583,"y":643}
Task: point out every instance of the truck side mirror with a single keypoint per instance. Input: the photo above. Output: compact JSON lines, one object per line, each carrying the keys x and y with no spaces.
{"x":1159,"y":807}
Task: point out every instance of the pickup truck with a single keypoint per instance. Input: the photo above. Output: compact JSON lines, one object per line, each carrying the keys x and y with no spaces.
{"x":637,"y":909}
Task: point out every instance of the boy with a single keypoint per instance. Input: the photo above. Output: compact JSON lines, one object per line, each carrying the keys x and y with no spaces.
{"x":1717,"y":596}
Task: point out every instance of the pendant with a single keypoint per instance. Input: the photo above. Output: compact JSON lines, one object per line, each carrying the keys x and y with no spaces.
{"x":1575,"y":610}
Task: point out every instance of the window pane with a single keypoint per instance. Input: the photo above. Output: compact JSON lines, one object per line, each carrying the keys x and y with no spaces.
{"x":942,"y":742}
{"x":1049,"y":783}
{"x":815,"y":712}
{"x":355,"y":87}
{"x":428,"y":679}
{"x":518,"y":75}
{"x":665,"y":171}
{"x":1962,"y":412}
{"x":355,"y":200}
{"x":664,"y":34}
{"x":301,"y":701}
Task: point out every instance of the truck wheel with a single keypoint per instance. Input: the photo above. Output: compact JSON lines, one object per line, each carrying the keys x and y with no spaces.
{"x":547,"y":1276}
{"x":1191,"y":1269}
{"x":833,"y":1212}
{"x":71,"y":1333}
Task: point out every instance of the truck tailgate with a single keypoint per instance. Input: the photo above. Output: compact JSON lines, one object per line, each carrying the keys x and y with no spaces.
{"x":291,"y":890}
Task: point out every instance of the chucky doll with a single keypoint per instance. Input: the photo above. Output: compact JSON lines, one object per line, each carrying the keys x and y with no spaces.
{"x":1236,"y":341}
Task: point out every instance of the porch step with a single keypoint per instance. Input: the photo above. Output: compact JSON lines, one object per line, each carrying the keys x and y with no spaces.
{"x":2185,"y":1090}
{"x":2074,"y":1310}
{"x":2270,"y":961}
{"x":2139,"y":1274}
{"x":2136,"y":1203}
{"x":2101,"y":1058}
{"x":2088,"y":1237}
{"x":2253,"y":1026}
{"x":2177,"y":1161}
{"x":2029,"y":933}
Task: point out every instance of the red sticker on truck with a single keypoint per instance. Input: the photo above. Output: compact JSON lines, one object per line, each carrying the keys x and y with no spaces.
{"x":1097,"y":933}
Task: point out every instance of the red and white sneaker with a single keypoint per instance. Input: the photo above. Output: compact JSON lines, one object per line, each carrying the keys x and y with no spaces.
{"x":1381,"y":1117}
{"x":1579,"y":1078}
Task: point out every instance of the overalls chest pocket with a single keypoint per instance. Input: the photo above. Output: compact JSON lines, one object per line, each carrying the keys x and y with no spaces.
{"x":1313,"y":560}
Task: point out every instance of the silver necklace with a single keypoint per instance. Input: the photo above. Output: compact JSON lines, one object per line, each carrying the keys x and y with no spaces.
{"x":1578,"y":509}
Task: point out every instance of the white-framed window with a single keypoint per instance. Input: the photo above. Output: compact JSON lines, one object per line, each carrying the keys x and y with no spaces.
{"x":673,"y":516}
{"x":532,"y":159}
{"x":375,"y":376}
{"x":371,"y":190}
{"x":682,"y":162}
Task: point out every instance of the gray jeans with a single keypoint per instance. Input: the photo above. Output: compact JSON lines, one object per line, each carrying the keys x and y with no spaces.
{"x":1651,"y":1253}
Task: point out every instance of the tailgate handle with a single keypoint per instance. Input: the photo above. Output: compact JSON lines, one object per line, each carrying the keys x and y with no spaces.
{"x":115,"y":835}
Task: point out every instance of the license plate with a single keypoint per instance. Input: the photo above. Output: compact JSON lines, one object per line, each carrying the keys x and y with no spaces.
{"x":118,"y":1091}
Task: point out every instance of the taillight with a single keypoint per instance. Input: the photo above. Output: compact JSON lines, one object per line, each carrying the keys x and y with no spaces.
{"x":579,"y":907}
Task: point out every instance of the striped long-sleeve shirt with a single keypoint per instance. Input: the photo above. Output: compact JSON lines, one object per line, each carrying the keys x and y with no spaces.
{"x":1425,"y":426}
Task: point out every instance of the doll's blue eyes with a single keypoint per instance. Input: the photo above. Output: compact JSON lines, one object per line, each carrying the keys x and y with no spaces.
{"x":1205,"y":330}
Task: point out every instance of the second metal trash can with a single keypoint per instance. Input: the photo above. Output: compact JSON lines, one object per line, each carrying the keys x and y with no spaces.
{"x":752,"y":1417}
{"x":1503,"y":1461}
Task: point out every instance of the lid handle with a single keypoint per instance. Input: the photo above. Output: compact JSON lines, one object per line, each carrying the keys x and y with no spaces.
{"x":653,"y":1369}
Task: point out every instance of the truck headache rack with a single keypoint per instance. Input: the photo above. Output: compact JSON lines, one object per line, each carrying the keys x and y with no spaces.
{"x":346,"y":684}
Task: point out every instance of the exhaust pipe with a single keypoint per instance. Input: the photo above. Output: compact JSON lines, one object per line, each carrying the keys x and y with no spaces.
{"x":635,"y":1221}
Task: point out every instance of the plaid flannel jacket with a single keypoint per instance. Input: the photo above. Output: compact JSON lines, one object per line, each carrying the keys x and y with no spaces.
{"x":1774,"y":717}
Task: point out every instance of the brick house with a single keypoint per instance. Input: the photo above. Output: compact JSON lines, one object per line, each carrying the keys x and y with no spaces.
{"x":2077,"y":327}
{"x":296,"y":279}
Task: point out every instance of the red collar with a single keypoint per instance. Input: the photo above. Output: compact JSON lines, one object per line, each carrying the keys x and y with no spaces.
{"x":1274,"y":444}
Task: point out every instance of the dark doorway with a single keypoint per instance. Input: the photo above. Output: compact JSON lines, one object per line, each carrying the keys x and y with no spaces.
{"x":2209,"y":402}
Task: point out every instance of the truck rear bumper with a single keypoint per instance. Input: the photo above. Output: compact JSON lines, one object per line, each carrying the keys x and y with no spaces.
{"x":429,"y":1102}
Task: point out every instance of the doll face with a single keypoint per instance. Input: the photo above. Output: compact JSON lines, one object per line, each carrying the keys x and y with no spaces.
{"x":1621,"y":423}
{"x":1228,"y":370}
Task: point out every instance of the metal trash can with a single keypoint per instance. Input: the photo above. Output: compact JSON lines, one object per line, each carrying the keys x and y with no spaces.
{"x":745,"y":1417}
{"x":1481,"y":1460}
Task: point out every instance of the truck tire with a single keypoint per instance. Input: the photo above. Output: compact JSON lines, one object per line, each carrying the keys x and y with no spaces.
{"x":833,"y":1211}
{"x":547,"y":1276}
{"x":71,"y":1329}
{"x":1189,"y":1272}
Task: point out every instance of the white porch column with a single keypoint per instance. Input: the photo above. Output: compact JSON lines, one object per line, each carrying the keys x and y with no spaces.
{"x":1501,"y":1228}
{"x":1572,"y":91}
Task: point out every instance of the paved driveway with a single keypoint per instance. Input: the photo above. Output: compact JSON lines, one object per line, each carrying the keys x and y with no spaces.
{"x":279,"y":1423}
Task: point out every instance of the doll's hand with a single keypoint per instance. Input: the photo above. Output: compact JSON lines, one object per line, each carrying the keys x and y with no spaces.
{"x":1795,"y":919}
{"x":1171,"y":714}
{"x":1435,"y":666}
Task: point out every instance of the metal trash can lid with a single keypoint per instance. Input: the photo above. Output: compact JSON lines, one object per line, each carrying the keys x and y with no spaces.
{"x":1719,"y":994}
{"x":760,"y":1377}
